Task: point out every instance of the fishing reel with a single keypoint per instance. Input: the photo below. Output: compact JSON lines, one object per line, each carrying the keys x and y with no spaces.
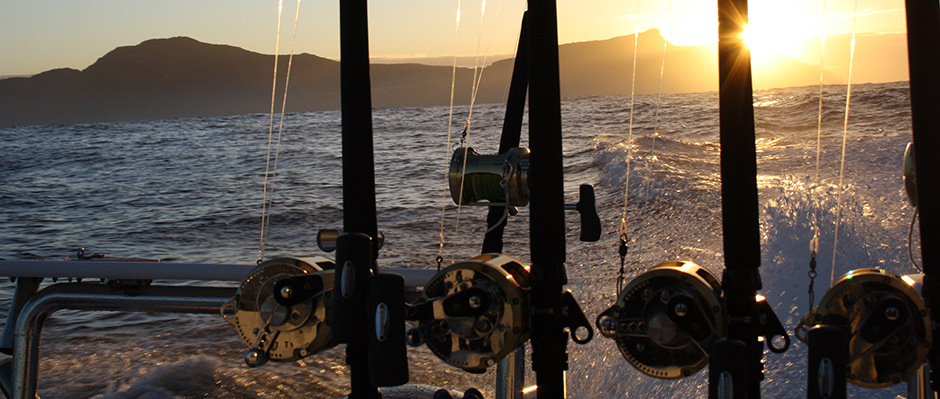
{"x":665,"y":320}
{"x":887,"y":325}
{"x":282,"y":310}
{"x":489,"y":179}
{"x":473,"y":313}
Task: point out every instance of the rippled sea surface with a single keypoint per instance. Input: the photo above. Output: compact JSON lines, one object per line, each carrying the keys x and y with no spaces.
{"x":190,"y":190}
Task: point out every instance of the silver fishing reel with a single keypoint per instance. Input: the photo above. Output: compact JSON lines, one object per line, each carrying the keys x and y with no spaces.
{"x":282,"y":310}
{"x":489,"y":179}
{"x":473,"y":313}
{"x":665,"y":320}
{"x":886,"y":321}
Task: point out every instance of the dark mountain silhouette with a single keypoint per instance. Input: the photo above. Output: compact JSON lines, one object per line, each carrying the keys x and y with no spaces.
{"x":182,"y":77}
{"x":879,"y":57}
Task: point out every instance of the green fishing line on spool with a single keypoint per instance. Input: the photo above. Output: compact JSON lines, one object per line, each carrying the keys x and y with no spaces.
{"x":483,"y":176}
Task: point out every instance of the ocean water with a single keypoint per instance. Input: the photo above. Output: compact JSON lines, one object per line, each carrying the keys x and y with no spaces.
{"x":190,"y":190}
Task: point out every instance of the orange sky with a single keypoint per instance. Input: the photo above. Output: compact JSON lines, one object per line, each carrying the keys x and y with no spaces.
{"x":44,"y":34}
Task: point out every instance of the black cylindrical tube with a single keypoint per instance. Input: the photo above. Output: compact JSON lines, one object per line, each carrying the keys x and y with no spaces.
{"x":727,"y":375}
{"x":515,"y":102}
{"x":511,"y":134}
{"x":359,"y":214}
{"x":350,"y":288}
{"x":351,"y":309}
{"x":828,"y":363}
{"x":923,"y":34}
{"x":388,"y":357}
{"x":547,"y":206}
{"x":739,"y":199}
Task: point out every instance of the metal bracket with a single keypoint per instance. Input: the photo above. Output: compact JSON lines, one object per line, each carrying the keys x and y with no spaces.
{"x":769,"y":327}
{"x":573,"y":318}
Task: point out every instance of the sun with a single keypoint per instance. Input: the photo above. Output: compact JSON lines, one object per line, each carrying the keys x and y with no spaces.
{"x":760,"y":38}
{"x":767,"y":45}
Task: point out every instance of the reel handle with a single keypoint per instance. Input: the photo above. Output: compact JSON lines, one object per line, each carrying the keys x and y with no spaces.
{"x":587,"y":207}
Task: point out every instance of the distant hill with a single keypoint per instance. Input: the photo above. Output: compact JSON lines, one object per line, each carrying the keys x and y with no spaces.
{"x":879,"y":57}
{"x":182,"y":77}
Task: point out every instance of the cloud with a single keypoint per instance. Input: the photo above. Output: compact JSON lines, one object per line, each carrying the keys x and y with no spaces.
{"x":868,"y":12}
{"x":641,"y":17}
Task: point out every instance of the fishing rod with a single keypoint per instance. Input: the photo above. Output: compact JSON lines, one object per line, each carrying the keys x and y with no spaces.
{"x":547,"y":226}
{"x":923,"y":32}
{"x":287,"y":308}
{"x":890,"y":324}
{"x":355,"y":247}
{"x":511,"y":133}
{"x":473,"y":313}
{"x":676,"y":318}
{"x":538,"y":308}
{"x":740,"y":215}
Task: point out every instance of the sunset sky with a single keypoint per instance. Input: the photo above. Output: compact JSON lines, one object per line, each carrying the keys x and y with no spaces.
{"x":39,"y":35}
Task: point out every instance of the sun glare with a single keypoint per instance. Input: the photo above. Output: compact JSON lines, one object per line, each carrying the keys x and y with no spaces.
{"x":762,"y":40}
{"x":766,"y":44}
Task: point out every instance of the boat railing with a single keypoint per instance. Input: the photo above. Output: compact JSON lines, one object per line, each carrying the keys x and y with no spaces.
{"x":127,"y":289}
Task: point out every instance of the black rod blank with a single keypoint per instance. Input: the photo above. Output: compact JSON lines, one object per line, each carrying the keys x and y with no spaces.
{"x":546,"y":179}
{"x":739,"y":199}
{"x":359,"y":209}
{"x":923,"y":34}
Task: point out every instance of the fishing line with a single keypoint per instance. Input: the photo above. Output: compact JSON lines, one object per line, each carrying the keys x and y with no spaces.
{"x":659,"y":100}
{"x":624,"y":238}
{"x":264,"y":195}
{"x":814,"y":243}
{"x":280,"y":126}
{"x":845,"y":132}
{"x":486,"y":53}
{"x":450,"y":124}
{"x":465,"y":136}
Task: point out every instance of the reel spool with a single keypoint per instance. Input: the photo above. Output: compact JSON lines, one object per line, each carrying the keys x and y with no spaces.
{"x":665,"y":320}
{"x":491,"y":179}
{"x":888,"y":325}
{"x":275,"y":331}
{"x":474,"y":313}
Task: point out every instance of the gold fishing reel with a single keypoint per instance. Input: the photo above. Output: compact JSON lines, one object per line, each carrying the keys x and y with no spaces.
{"x":886,"y":321}
{"x":489,"y":179}
{"x":282,"y":310}
{"x":665,"y":320}
{"x":473,"y":313}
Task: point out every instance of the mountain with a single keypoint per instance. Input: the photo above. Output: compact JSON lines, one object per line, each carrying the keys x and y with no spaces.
{"x":879,"y":57}
{"x":182,"y":77}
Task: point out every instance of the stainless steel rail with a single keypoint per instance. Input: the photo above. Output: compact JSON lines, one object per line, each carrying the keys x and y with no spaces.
{"x":85,"y":296}
{"x":123,"y":270}
{"x":27,"y":322}
{"x":160,"y":271}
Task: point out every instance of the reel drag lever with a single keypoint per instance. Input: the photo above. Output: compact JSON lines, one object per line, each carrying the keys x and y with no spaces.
{"x":474,"y":313}
{"x":283,"y":309}
{"x":293,"y":290}
{"x":471,"y":302}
